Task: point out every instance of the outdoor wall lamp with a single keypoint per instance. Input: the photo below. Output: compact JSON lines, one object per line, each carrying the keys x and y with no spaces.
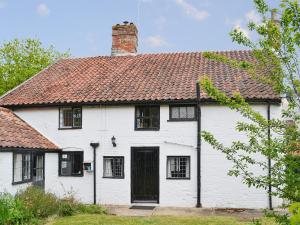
{"x":113,"y":141}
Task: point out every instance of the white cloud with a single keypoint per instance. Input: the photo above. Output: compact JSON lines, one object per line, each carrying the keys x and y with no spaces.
{"x":2,"y":4}
{"x":156,"y":41}
{"x":192,"y":11}
{"x":43,"y":10}
{"x":253,"y":16}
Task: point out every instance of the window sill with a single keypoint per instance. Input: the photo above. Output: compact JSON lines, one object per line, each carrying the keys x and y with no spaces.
{"x":182,"y":120}
{"x":21,"y":182}
{"x":146,"y":129}
{"x":79,"y":175}
{"x":182,"y":178}
{"x":70,"y":128}
{"x":113,"y":177}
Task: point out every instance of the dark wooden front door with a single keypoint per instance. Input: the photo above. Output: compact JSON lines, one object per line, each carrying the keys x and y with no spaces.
{"x":145,"y":174}
{"x":38,"y":170}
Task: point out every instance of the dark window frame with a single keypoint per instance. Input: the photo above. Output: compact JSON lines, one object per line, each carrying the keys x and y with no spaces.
{"x":182,"y":119}
{"x":179,"y":178}
{"x":123,"y":166}
{"x":23,"y":181}
{"x":71,"y":153}
{"x":136,"y":118}
{"x":60,"y":127}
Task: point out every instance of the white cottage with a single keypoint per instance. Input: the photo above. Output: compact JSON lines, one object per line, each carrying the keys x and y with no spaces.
{"x":127,"y":127}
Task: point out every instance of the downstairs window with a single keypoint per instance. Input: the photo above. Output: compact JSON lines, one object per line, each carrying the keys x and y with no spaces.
{"x":71,"y":164}
{"x":22,"y":167}
{"x":178,"y":167}
{"x":113,"y":167}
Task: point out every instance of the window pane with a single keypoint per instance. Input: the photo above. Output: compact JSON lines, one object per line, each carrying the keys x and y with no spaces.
{"x":26,"y":166}
{"x":66,"y":165}
{"x":66,"y":117}
{"x":77,"y":163}
{"x":17,"y":167}
{"x":76,"y":117}
{"x":182,"y":112}
{"x":178,"y":167}
{"x":117,"y":167}
{"x":113,"y":167}
{"x":107,"y":167}
{"x":147,"y":117}
{"x":175,"y":112}
{"x":190,"y":112}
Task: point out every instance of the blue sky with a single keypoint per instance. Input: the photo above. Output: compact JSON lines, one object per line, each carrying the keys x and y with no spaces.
{"x":84,"y":26}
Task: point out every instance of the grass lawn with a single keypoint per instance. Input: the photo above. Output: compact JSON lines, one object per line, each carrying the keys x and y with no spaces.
{"x":85,"y":219}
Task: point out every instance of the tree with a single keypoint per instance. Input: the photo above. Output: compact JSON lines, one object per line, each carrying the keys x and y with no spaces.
{"x":21,"y":59}
{"x":276,"y":63}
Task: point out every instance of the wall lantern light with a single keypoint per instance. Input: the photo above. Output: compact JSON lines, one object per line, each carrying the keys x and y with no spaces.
{"x":113,"y":141}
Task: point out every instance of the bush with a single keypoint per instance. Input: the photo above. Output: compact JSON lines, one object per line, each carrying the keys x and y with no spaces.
{"x":91,"y":209}
{"x":13,"y":211}
{"x":39,"y":203}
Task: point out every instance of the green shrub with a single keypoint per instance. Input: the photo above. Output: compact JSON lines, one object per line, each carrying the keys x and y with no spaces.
{"x":66,"y":209}
{"x":13,"y":211}
{"x":39,"y":203}
{"x":91,"y":209}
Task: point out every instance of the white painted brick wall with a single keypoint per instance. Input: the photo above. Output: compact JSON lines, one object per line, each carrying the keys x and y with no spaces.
{"x":101,"y":123}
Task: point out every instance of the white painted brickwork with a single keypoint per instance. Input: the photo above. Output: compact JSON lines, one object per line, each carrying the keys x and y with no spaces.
{"x":99,"y":124}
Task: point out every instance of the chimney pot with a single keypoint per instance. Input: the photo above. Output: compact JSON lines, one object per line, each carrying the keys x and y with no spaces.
{"x":124,"y":39}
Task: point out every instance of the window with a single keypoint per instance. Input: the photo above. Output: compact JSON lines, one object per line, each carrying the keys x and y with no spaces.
{"x":147,"y":118}
{"x":21,"y":167}
{"x":71,"y":164}
{"x":113,"y":167}
{"x":70,"y":117}
{"x":178,"y":167}
{"x":182,"y":113}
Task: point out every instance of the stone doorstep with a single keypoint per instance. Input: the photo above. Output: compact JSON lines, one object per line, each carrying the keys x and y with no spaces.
{"x":122,"y":210}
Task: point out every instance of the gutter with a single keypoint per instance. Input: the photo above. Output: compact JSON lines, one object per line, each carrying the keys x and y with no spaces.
{"x":199,"y":204}
{"x":269,"y":159}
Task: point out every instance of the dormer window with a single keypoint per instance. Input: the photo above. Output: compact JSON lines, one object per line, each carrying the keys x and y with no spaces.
{"x":70,"y":117}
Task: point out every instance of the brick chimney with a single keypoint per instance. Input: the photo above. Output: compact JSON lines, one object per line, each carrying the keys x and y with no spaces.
{"x":124,"y":39}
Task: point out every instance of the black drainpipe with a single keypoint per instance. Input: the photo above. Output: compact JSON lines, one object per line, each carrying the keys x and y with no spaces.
{"x":269,"y":159}
{"x":94,"y":146}
{"x":199,"y":204}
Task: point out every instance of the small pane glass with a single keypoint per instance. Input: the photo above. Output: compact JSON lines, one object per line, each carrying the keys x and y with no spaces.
{"x":175,"y":112}
{"x":182,"y":112}
{"x":190,"y":112}
{"x":17,"y":167}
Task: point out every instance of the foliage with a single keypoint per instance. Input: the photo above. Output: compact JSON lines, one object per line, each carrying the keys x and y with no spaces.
{"x":39,"y":203}
{"x":295,"y":211}
{"x":21,"y":59}
{"x":276,"y":54}
{"x":13,"y":211}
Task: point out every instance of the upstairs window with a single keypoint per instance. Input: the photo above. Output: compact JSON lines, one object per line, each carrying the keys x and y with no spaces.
{"x":178,"y":167}
{"x":147,"y":118}
{"x":22,"y":167}
{"x":182,"y":113}
{"x":113,"y":167}
{"x":71,"y":164}
{"x":70,"y":117}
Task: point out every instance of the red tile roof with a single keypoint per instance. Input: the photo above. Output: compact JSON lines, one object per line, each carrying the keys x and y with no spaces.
{"x":15,"y":133}
{"x":145,"y":77}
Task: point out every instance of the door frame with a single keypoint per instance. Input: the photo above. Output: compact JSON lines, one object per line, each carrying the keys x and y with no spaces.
{"x":154,"y":148}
